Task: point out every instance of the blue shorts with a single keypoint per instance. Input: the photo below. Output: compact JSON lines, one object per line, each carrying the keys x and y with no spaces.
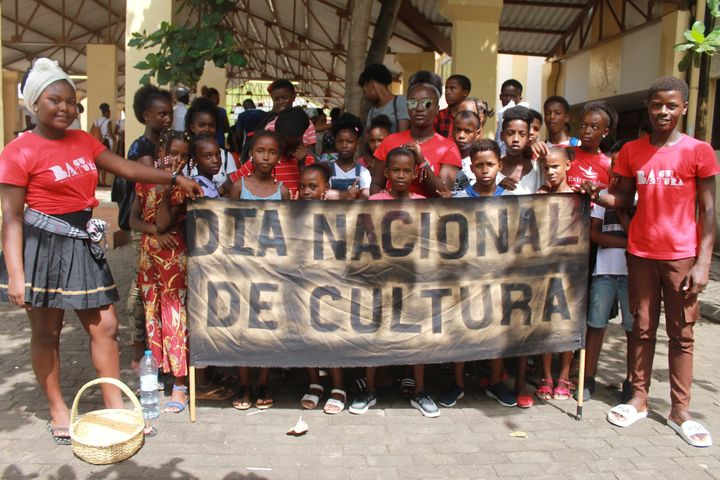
{"x":605,"y":290}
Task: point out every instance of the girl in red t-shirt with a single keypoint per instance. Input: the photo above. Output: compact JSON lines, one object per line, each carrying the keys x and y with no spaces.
{"x":162,"y":266}
{"x":52,"y":260}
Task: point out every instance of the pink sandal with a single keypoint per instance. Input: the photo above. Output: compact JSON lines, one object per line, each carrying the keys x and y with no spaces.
{"x":561,"y":392}
{"x":545,"y":390}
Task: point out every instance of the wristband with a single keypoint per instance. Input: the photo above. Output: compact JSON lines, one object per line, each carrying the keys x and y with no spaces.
{"x":425,"y":165}
{"x":173,"y":179}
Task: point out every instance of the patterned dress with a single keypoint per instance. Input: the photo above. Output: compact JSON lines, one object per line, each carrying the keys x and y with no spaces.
{"x":162,"y":284}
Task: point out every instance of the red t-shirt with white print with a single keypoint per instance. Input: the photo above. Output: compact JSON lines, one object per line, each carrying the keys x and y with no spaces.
{"x":593,"y":167}
{"x":59,"y":175}
{"x":437,"y":150}
{"x":664,"y":225}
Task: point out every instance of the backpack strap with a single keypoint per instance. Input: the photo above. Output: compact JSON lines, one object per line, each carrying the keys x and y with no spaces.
{"x":397,"y":120}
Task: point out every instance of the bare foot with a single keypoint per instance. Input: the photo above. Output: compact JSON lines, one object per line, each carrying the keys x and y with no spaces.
{"x":640,"y":406}
{"x":681,"y":416}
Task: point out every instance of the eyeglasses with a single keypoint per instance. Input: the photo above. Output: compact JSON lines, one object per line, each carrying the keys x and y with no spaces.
{"x":414,"y":103}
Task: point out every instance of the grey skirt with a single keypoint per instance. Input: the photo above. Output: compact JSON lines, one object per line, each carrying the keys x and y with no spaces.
{"x":60,"y":272}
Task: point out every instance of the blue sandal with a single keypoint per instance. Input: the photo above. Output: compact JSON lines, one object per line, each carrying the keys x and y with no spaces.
{"x":173,"y":404}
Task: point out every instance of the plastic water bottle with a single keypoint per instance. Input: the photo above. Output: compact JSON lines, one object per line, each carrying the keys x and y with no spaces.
{"x":149,"y":394}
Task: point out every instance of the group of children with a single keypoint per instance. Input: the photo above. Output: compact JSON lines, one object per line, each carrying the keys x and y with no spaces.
{"x":431,"y":153}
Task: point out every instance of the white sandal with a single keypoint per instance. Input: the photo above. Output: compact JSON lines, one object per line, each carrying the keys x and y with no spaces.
{"x":311,"y":397}
{"x":688,"y":429}
{"x":627,"y":413}
{"x":333,"y":402}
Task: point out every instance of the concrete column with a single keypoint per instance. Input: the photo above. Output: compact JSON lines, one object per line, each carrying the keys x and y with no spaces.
{"x":475,"y":35}
{"x":140,"y":15}
{"x":412,"y":62}
{"x":214,"y":77}
{"x":101,"y":80}
{"x":672,"y":27}
{"x":12,"y":118}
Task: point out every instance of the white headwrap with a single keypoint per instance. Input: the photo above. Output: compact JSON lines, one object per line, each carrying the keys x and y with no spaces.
{"x":43,"y":72}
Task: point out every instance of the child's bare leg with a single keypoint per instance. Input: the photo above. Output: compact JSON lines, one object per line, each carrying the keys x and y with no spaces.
{"x":520,"y":387}
{"x":459,"y":368}
{"x":496,"y":370}
{"x":419,"y":376}
{"x":371,"y":374}
{"x":595,"y":337}
{"x":263,"y":400}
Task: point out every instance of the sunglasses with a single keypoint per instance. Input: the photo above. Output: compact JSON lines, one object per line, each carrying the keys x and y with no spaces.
{"x":414,"y":103}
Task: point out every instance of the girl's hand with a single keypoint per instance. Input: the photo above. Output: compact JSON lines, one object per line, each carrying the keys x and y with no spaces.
{"x":587,"y":188}
{"x":508,"y":183}
{"x":191,"y":188}
{"x":540,"y":149}
{"x":16,"y":292}
{"x":295,"y":195}
{"x":354,"y":191}
{"x":417,"y":151}
{"x":167,"y":241}
{"x":444,"y":193}
{"x":300,"y":153}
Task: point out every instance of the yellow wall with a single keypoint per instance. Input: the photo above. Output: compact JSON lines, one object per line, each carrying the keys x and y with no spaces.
{"x":412,"y":62}
{"x":474,"y":45}
{"x":140,"y":15}
{"x":101,"y":80}
{"x":12,"y":118}
{"x":214,"y":77}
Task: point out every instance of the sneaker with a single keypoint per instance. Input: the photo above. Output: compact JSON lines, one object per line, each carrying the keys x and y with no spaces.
{"x":425,"y":404}
{"x":502,"y":394}
{"x":362,"y":402}
{"x":588,"y":389}
{"x":450,"y":397}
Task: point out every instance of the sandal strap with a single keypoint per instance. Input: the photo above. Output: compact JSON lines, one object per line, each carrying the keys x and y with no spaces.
{"x":180,"y":388}
{"x":316,"y":386}
{"x":339,"y":392}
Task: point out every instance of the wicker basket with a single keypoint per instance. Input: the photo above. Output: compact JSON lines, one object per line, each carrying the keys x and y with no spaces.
{"x":107,"y":436}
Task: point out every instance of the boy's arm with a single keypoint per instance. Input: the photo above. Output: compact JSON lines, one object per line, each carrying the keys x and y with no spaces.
{"x":697,"y":278}
{"x":621,"y":197}
{"x":603,"y":239}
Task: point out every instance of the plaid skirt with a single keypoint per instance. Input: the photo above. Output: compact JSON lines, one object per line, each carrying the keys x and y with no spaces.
{"x":60,"y":271}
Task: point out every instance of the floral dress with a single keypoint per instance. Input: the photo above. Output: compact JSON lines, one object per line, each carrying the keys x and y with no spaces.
{"x":163,"y":286}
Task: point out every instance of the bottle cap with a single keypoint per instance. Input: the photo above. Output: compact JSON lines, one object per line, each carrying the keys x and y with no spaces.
{"x":148,"y":352}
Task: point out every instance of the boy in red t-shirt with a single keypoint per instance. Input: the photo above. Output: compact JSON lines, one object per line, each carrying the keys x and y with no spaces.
{"x":669,"y":250}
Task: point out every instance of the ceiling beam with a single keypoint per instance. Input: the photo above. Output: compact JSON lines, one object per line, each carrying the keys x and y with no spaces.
{"x":544,"y":31}
{"x":532,"y":3}
{"x":420,"y":26}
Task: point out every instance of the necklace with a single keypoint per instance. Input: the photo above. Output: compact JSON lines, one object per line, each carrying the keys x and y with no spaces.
{"x":420,"y":141}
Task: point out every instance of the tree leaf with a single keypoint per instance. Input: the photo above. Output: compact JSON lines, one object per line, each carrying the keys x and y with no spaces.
{"x":698,"y":27}
{"x":681,"y":47}
{"x":685,"y":63}
{"x":714,"y":6}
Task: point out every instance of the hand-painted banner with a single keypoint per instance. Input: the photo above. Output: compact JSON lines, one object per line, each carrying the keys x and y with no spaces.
{"x":356,"y":283}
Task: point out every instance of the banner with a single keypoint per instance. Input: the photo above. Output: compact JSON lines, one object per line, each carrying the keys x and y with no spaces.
{"x":371,"y":283}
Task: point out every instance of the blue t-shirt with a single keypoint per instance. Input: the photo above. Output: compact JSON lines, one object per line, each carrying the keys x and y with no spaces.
{"x":470,"y":192}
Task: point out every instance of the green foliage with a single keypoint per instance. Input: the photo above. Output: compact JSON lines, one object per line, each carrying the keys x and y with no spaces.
{"x":697,"y":42}
{"x":180,"y":51}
